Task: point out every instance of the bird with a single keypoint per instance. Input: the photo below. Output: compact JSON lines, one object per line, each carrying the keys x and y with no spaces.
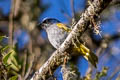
{"x":57,"y":33}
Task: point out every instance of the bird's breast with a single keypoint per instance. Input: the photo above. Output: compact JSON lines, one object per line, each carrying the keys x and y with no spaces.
{"x":56,"y":36}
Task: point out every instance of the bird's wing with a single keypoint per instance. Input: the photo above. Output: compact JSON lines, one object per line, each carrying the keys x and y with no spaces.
{"x":63,"y":26}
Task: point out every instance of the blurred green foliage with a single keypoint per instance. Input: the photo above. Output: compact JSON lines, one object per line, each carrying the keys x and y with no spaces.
{"x":9,"y":64}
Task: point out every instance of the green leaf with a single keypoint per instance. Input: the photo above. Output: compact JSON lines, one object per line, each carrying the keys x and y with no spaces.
{"x":13,"y":78}
{"x":4,"y":48}
{"x":13,"y":61}
{"x":5,"y":58}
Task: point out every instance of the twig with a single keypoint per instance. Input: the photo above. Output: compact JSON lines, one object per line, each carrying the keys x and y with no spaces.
{"x":72,"y":8}
{"x":24,"y":63}
{"x":17,"y":7}
{"x":30,"y":60}
{"x":73,"y":13}
{"x":58,"y":56}
{"x":30,"y":67}
{"x":11,"y":23}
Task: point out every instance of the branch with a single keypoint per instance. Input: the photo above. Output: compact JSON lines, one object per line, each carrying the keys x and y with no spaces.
{"x":58,"y":56}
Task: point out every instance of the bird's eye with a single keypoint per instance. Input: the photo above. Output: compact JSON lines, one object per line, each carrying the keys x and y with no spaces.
{"x":45,"y":21}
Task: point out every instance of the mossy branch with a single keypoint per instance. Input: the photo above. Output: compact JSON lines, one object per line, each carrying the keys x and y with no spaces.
{"x":58,"y":56}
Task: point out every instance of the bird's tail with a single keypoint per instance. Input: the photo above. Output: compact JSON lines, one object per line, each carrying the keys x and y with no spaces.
{"x":88,"y":55}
